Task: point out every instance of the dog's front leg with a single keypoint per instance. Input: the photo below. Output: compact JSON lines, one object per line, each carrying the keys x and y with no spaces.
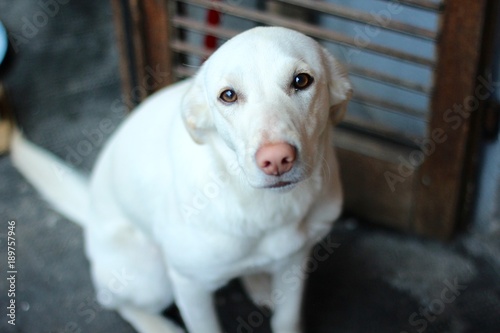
{"x":288,"y":285}
{"x":195,"y":303}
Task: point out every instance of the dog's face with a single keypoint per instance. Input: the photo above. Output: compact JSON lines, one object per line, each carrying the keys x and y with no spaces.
{"x":271,"y":95}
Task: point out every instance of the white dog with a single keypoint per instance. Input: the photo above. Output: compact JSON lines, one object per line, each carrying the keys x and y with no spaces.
{"x":229,"y":174}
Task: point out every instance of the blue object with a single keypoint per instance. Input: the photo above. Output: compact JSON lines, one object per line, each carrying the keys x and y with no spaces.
{"x":3,"y":42}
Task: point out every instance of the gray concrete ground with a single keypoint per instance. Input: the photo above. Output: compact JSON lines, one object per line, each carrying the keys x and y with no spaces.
{"x":64,"y":82}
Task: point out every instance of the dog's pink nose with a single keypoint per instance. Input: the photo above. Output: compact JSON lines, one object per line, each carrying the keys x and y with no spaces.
{"x":276,"y":159}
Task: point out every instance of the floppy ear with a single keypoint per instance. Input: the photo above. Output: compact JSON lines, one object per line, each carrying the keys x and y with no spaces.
{"x":195,"y":112}
{"x":339,"y":87}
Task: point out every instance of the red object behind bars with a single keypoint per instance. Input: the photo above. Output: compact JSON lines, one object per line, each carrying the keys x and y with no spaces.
{"x":213,"y":19}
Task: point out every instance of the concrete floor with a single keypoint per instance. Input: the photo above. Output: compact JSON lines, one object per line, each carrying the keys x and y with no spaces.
{"x":64,"y":81}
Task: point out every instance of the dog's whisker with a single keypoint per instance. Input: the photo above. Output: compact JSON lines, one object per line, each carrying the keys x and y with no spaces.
{"x":325,"y":166}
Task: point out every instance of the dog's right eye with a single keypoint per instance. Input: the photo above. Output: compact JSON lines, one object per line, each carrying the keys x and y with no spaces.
{"x":302,"y":81}
{"x":228,"y":96}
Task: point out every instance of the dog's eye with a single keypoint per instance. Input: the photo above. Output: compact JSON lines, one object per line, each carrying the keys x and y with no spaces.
{"x":229,"y":96}
{"x":302,"y":81}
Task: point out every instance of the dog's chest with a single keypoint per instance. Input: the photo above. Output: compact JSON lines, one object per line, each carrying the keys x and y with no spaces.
{"x":278,"y":245}
{"x":216,"y":258}
{"x":261,"y":232}
{"x":233,"y":235}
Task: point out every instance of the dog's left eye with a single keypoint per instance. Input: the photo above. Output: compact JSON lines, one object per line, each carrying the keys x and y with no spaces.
{"x":302,"y":81}
{"x":229,"y":96}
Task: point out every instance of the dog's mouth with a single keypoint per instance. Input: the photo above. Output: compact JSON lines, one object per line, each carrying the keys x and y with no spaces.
{"x":283,"y":183}
{"x":281,"y":186}
{"x":277,"y":185}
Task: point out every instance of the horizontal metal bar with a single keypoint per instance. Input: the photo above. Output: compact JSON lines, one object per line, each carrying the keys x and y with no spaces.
{"x":311,"y":30}
{"x":436,"y":6}
{"x":389,"y":106}
{"x":379,"y":131}
{"x":186,"y":48}
{"x":366,"y":18}
{"x":187,"y":23}
{"x":389,"y":80}
{"x":183,"y":71}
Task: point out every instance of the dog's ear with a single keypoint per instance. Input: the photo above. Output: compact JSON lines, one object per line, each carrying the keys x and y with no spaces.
{"x":196,"y":112}
{"x":339,"y":87}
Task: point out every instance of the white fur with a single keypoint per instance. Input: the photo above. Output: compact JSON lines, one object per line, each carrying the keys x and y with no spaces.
{"x":177,"y":206}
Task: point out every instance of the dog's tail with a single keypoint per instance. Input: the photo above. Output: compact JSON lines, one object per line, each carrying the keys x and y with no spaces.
{"x":62,"y":186}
